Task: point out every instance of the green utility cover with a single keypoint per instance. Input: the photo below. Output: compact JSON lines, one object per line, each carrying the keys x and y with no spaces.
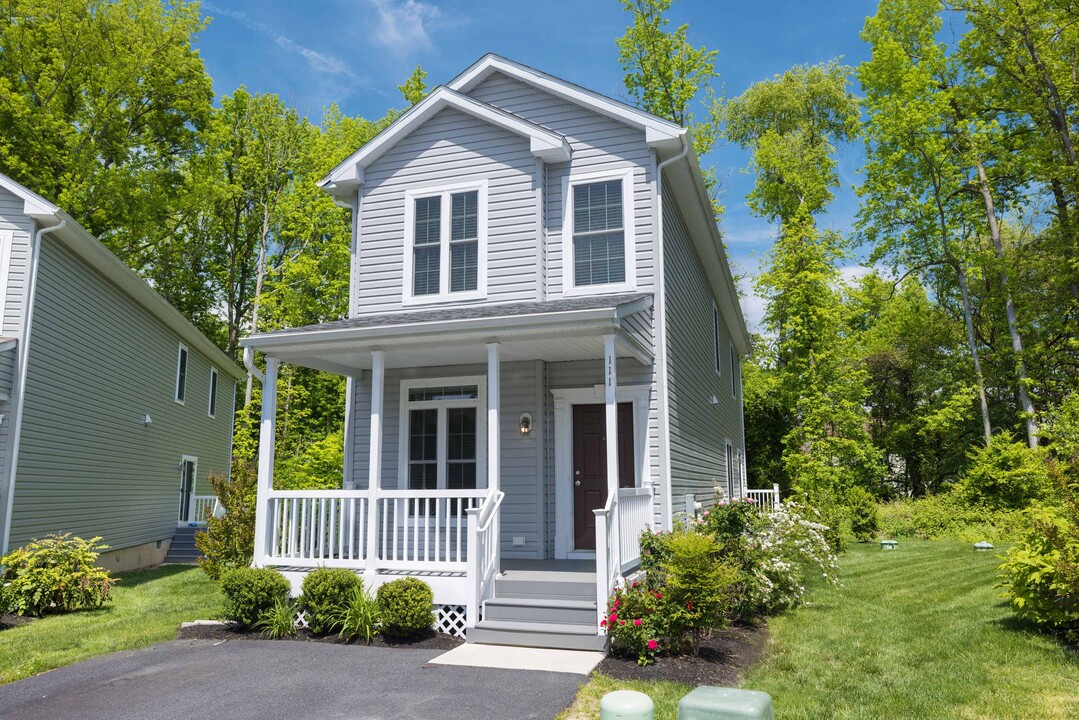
{"x":716,"y":703}
{"x":626,"y":705}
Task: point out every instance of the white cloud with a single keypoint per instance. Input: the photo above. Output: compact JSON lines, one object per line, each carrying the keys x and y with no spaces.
{"x":403,"y":24}
{"x":318,"y":61}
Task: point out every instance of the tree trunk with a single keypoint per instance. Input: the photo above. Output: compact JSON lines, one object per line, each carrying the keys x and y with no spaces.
{"x":964,"y":291}
{"x":1009,"y":308}
{"x":261,"y":274}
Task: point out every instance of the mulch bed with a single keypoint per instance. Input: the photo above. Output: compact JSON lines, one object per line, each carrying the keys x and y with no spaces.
{"x":724,"y":657}
{"x":10,"y":621}
{"x":428,"y":641}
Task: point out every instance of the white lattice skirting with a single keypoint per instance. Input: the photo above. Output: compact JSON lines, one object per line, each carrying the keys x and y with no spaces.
{"x":450,"y":619}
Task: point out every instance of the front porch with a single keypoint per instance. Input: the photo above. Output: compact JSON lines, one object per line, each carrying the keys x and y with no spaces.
{"x":449,"y":468}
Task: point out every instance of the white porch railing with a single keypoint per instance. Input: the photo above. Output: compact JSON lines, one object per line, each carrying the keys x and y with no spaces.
{"x":483,"y":562}
{"x":201,"y":507}
{"x":317,"y":527}
{"x":766,"y":498}
{"x":634,"y":516}
{"x":421,"y":530}
{"x":608,"y":566}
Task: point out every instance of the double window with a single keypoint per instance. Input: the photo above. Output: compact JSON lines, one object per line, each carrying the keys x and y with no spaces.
{"x":598,"y":236}
{"x":443,"y":435}
{"x":446,"y":248}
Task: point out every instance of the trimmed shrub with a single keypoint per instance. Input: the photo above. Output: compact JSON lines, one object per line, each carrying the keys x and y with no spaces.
{"x":325,"y":592}
{"x":701,"y":588}
{"x":864,"y":518}
{"x":405,"y":607}
{"x":250,"y":592}
{"x":56,"y":574}
{"x":358,"y":618}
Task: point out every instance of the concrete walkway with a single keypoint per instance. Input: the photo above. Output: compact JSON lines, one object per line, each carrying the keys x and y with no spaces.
{"x":267,"y":680}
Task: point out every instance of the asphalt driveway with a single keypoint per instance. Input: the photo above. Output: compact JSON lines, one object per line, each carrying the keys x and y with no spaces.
{"x":187,"y":679}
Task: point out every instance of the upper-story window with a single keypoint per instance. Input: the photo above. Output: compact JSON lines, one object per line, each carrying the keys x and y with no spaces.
{"x":446,"y":243}
{"x":181,"y":374}
{"x":716,"y":353}
{"x":598,"y":233}
{"x":211,"y":408}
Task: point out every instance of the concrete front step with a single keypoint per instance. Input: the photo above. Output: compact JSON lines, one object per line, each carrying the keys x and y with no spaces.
{"x":544,"y":635}
{"x":541,"y":610}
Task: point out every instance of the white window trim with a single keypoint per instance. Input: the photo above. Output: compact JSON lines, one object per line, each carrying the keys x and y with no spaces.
{"x":628,"y":227}
{"x":180,"y":350}
{"x":729,"y":469}
{"x":734,"y":375}
{"x":215,"y":379}
{"x":7,"y":237}
{"x":717,"y":356}
{"x":444,"y":294}
{"x":564,"y":400}
{"x":479,"y":402}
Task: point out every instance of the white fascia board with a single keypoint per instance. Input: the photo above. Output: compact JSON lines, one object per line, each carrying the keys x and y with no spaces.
{"x":659,"y":133}
{"x":544,"y":143}
{"x":34,"y":205}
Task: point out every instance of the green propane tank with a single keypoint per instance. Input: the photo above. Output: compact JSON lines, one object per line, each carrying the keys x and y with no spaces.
{"x":626,"y":705}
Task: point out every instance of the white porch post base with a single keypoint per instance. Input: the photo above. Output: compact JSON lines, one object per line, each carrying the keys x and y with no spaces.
{"x":265,"y":460}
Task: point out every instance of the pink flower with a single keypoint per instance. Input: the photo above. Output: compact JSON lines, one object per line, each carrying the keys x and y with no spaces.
{"x":613,"y":618}
{"x":652,"y":644}
{"x":659,"y":596}
{"x":637,"y":622}
{"x":617,"y":602}
{"x":634,"y":583}
{"x":603,"y":623}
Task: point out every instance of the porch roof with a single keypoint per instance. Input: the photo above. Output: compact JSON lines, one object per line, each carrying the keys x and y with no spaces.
{"x":553,"y":330}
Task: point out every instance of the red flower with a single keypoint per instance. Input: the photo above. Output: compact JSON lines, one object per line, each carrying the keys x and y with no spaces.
{"x":603,"y":623}
{"x":689,"y":606}
{"x":637,"y":622}
{"x":613,"y":618}
{"x":659,"y":596}
{"x":652,"y":644}
{"x":634,"y":583}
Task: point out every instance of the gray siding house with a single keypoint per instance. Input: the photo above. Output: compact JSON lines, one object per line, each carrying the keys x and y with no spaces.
{"x":114,"y":408}
{"x":542,"y":351}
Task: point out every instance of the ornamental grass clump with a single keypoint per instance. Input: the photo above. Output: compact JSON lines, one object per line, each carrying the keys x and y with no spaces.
{"x":56,"y":574}
{"x":358,"y":618}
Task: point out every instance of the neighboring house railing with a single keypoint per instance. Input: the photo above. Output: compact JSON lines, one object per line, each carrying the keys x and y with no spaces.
{"x":768,"y":499}
{"x":483,"y":562}
{"x":608,"y":565}
{"x":201,"y":508}
{"x":419,"y":530}
{"x":634,"y":516}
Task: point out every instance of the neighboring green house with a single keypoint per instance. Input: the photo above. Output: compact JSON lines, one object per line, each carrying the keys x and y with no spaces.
{"x":114,"y":408}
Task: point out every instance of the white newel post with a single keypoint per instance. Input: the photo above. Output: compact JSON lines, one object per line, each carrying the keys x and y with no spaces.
{"x":374,"y":470}
{"x":265,"y":461}
{"x":494,"y":443}
{"x":610,"y":398}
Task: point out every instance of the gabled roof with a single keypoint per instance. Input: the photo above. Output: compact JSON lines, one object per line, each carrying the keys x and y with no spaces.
{"x":544,"y":143}
{"x":659,"y":132}
{"x":99,"y":257}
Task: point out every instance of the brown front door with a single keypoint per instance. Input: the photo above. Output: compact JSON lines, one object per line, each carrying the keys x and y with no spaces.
{"x":590,"y":466}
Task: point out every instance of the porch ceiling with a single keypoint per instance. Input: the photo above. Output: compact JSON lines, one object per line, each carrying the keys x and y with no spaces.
{"x":558,"y":330}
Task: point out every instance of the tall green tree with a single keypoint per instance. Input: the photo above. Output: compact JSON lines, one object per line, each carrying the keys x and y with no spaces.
{"x":666,"y":75}
{"x":101,"y":106}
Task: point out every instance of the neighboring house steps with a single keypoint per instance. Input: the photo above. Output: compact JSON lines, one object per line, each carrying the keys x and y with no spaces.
{"x":183,"y":550}
{"x":540,"y":608}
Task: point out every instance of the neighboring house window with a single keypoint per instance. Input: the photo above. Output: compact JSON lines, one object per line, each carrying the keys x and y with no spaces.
{"x":181,"y":374}
{"x":212,"y":409}
{"x":715,"y":340}
{"x":730,"y":470}
{"x":443,"y":435}
{"x":598,"y":234}
{"x":446,"y":244}
{"x":734,"y":374}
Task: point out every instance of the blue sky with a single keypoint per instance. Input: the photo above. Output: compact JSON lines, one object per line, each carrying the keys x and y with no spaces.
{"x":356,"y":53}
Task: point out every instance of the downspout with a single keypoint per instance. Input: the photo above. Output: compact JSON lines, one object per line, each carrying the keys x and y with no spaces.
{"x":249,"y":363}
{"x":660,"y":315}
{"x":23,"y":356}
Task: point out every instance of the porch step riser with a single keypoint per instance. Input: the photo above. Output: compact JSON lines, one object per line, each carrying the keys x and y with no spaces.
{"x":539,"y":590}
{"x":557,"y":641}
{"x":586,"y":617}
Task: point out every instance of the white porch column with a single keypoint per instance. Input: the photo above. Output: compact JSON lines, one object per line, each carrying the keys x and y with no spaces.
{"x":494,"y":401}
{"x":374,"y":469}
{"x":267,"y":431}
{"x":610,"y":399}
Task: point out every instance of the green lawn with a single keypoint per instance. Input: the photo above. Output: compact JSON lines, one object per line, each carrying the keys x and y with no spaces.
{"x":147,"y":607}
{"x":918,"y":633}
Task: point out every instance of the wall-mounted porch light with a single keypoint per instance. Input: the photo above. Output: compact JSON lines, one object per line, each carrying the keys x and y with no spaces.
{"x":526,"y":423}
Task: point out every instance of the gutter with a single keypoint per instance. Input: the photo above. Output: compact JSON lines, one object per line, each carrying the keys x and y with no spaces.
{"x":23,"y":355}
{"x":660,"y":315}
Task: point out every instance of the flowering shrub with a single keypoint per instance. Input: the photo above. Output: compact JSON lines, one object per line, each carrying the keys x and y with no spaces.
{"x":732,"y":521}
{"x":638,"y":621}
{"x":56,"y":574}
{"x":653,"y":552}
{"x":788,"y":547}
